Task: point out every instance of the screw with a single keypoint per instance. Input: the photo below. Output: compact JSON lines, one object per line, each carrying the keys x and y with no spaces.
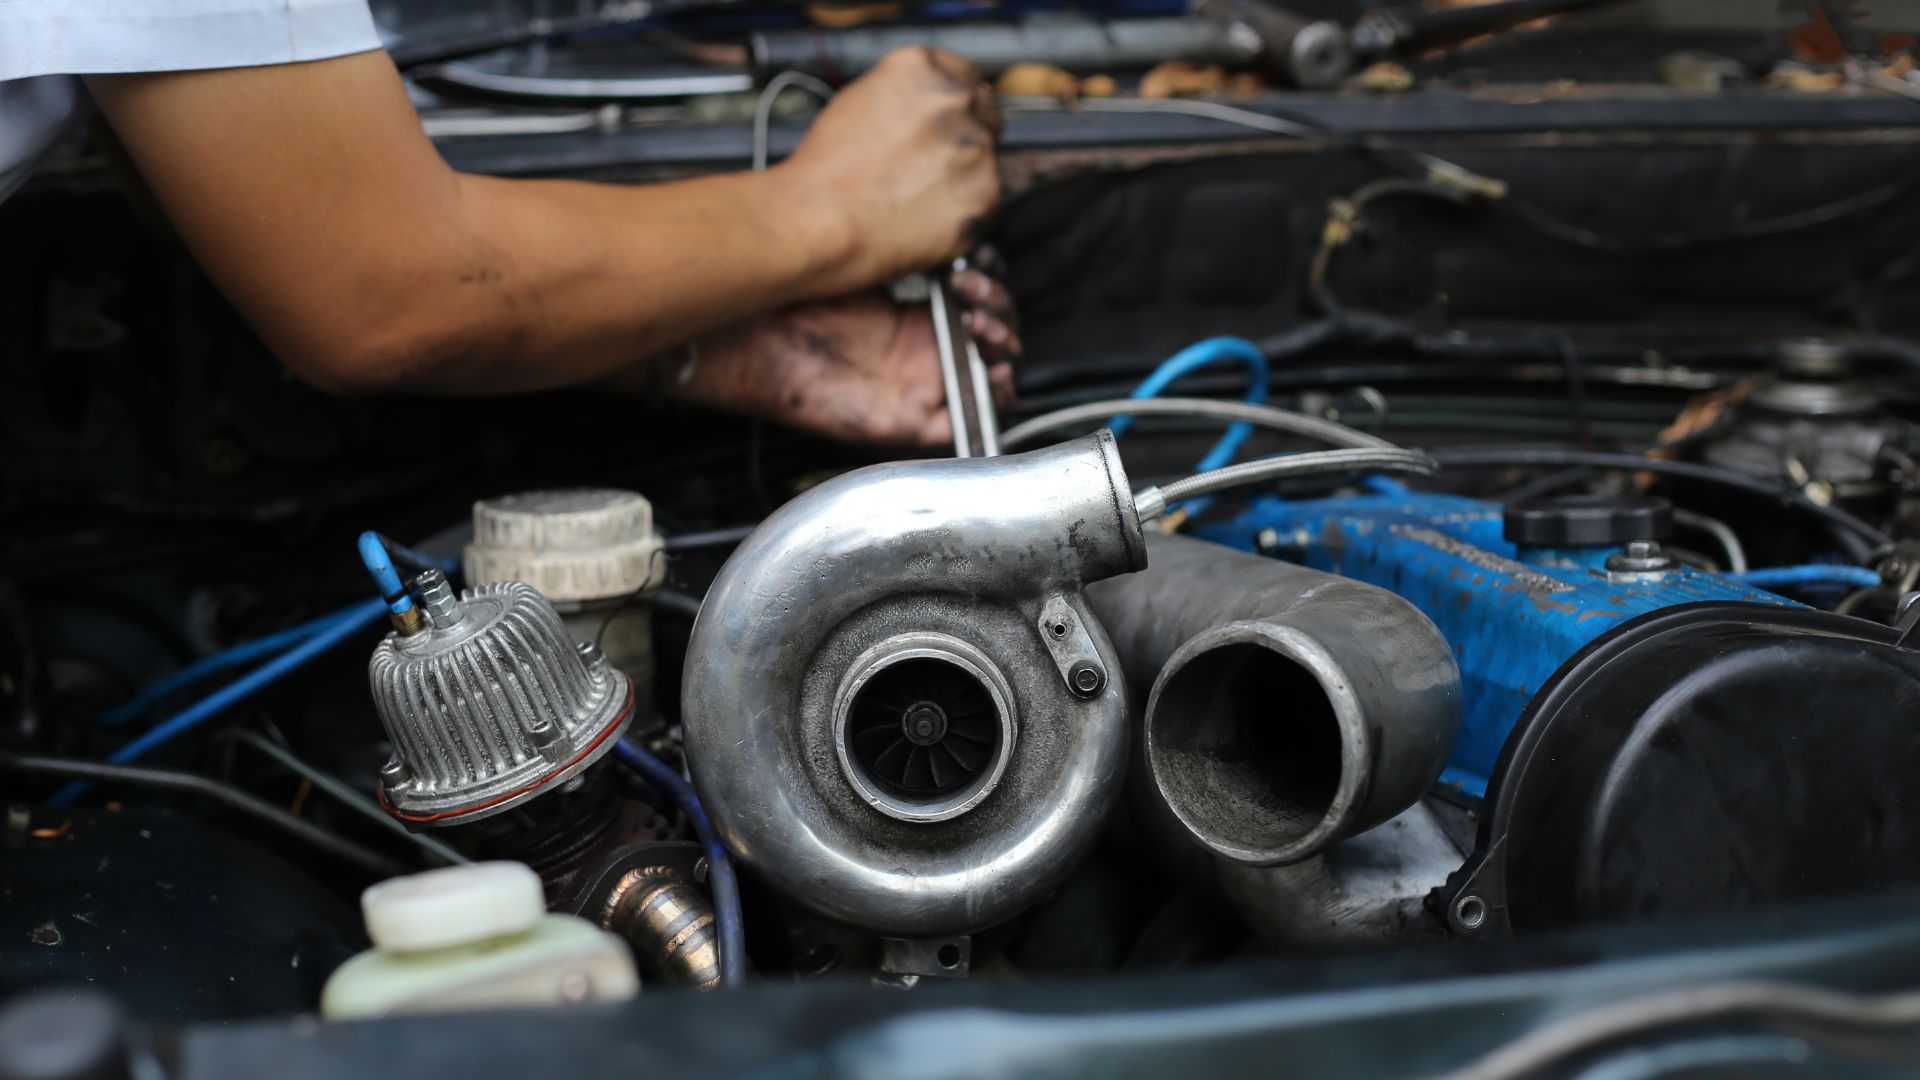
{"x":1638,"y":557}
{"x":395,"y":773}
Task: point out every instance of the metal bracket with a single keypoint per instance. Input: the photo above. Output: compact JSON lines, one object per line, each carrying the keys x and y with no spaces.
{"x":1065,"y":634}
{"x":1908,"y":621}
{"x":944,"y":958}
{"x":1472,"y":903}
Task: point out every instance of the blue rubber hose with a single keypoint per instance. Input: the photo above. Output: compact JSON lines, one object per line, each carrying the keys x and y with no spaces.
{"x":244,"y":653}
{"x":412,"y":558}
{"x":349,"y":623}
{"x":1777,"y":577}
{"x":1191,"y":359}
{"x":726,"y":888}
{"x":373,"y":552}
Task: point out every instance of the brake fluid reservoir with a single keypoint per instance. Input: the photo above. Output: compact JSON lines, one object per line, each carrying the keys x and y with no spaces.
{"x":474,"y":937}
{"x":594,"y":553}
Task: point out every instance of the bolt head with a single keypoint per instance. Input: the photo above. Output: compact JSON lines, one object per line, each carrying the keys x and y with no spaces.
{"x":1086,"y":679}
{"x":924,"y":723}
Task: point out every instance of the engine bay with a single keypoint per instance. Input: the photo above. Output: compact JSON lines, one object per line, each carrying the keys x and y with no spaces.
{"x":1447,"y":519}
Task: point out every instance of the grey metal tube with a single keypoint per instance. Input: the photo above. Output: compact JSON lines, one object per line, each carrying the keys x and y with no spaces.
{"x":1077,"y":44}
{"x":1290,"y":708}
{"x":1267,"y":416}
{"x":970,"y":569}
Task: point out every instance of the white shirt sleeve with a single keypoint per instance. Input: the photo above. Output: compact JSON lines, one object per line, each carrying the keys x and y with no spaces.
{"x":94,"y":37}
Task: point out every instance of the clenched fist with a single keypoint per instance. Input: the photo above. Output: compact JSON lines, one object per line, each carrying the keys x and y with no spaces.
{"x":904,"y":158}
{"x":860,"y":368}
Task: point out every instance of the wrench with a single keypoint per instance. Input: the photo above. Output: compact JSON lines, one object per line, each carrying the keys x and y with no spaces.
{"x":976,"y":428}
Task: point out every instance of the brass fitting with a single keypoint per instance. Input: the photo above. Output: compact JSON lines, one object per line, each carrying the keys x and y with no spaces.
{"x":408,"y":622}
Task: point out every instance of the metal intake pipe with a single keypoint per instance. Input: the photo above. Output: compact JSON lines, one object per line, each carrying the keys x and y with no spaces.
{"x":1289,"y":708}
{"x":899,"y":711}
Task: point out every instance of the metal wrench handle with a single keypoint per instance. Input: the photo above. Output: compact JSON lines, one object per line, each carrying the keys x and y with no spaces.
{"x":976,"y":428}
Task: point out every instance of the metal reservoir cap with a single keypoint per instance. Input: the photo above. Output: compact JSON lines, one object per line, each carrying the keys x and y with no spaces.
{"x":490,"y":705}
{"x":574,"y":545}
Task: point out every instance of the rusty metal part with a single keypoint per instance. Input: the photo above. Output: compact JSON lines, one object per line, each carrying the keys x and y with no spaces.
{"x":669,"y":923}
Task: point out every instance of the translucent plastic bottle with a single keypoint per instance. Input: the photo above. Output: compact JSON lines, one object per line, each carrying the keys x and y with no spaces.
{"x":474,"y":937}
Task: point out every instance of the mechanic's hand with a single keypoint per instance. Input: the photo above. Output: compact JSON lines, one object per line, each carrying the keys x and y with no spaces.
{"x":860,"y":368}
{"x":905,"y":157}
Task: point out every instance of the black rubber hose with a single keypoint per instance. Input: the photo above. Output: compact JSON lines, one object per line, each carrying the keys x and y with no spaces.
{"x":233,"y":798}
{"x":1858,"y":537}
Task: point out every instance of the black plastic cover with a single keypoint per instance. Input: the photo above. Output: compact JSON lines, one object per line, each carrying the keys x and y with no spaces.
{"x":1700,"y":759}
{"x":1588,"y":520}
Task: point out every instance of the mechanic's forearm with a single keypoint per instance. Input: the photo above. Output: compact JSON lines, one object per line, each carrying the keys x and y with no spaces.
{"x":553,"y":283}
{"x":314,"y":200}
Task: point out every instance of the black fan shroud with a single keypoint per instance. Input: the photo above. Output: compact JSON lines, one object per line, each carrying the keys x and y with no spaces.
{"x":922,"y":730}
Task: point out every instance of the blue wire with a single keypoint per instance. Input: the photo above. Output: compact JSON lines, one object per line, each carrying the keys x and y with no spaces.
{"x":373,"y":552}
{"x":243,"y":653}
{"x":1774,"y":578}
{"x":345,"y":626}
{"x":1192,"y":358}
{"x":726,"y":888}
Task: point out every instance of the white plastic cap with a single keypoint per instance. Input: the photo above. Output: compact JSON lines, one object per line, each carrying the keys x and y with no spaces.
{"x":579,"y":545}
{"x":454,"y":905}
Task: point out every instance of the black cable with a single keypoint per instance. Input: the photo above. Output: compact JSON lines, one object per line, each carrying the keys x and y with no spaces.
{"x":685,"y":605}
{"x":1545,"y":485}
{"x":726,"y":537}
{"x":1852,"y":528}
{"x":194,"y":784}
{"x":627,"y":601}
{"x":1545,"y":222}
{"x":1425,"y":166}
{"x":1346,"y":221}
{"x":1576,"y":387}
{"x":343,"y":793}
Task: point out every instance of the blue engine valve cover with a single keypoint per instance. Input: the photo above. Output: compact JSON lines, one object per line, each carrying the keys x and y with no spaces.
{"x":1513,"y":614}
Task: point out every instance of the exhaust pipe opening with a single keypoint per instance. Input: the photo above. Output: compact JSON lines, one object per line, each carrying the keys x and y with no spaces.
{"x":1249,"y":748}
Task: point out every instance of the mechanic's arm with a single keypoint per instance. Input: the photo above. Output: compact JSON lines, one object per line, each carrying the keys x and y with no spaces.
{"x":312,"y":197}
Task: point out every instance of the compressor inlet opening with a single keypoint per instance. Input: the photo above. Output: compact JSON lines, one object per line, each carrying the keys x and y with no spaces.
{"x":923,"y":728}
{"x":1248,"y":750}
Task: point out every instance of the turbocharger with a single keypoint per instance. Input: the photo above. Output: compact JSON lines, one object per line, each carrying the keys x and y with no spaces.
{"x":899,"y":711}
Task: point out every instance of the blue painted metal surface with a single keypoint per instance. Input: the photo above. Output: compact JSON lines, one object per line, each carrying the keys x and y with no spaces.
{"x":1513,"y":615}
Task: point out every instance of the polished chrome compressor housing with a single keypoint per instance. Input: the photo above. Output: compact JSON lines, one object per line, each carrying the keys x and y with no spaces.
{"x":490,"y":704}
{"x":898,"y":709}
